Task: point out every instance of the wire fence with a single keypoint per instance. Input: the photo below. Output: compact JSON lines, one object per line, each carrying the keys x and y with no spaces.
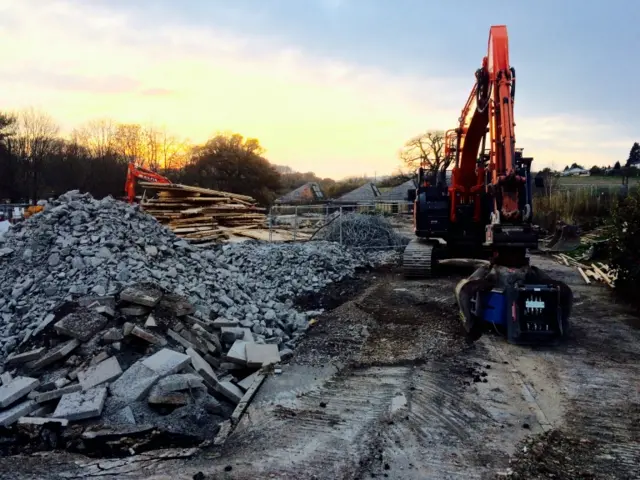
{"x":370,"y":226}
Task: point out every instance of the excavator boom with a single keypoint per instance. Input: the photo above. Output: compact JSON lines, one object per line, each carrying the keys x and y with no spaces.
{"x":134,"y":172}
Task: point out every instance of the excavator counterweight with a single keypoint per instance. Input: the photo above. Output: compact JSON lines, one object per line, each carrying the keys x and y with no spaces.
{"x":486,"y":212}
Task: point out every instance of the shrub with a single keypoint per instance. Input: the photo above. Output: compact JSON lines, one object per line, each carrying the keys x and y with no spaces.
{"x":625,"y":245}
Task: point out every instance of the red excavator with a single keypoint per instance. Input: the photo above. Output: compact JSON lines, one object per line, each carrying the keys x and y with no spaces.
{"x":486,"y":212}
{"x":134,"y":172}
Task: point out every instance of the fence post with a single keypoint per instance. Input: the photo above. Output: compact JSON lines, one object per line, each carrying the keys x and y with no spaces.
{"x":295,"y":224}
{"x":270,"y":223}
{"x":341,"y":225}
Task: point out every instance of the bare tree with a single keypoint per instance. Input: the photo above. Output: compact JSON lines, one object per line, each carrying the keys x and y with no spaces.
{"x":425,"y":150}
{"x":36,"y":138}
{"x":128,"y":141}
{"x":151,"y":139}
{"x":173,"y":152}
{"x":97,"y":136}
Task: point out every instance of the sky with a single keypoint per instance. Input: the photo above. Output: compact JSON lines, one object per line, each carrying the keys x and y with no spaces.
{"x":330,"y":86}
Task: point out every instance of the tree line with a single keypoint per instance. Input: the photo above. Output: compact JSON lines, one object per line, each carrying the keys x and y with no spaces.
{"x":36,"y":162}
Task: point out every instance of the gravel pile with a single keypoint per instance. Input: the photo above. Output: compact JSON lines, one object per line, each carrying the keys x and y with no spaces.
{"x":364,"y":232}
{"x":81,"y":246}
{"x":106,"y":316}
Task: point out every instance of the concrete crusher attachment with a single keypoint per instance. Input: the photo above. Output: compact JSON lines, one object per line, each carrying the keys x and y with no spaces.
{"x":485,"y":211}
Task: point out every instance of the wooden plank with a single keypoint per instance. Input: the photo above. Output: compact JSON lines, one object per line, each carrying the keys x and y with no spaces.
{"x":246,"y":398}
{"x":199,"y":190}
{"x":584,"y":276}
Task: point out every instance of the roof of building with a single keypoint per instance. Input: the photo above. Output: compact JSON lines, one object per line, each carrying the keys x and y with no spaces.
{"x":398,"y":193}
{"x":366,"y":193}
{"x":307,"y":193}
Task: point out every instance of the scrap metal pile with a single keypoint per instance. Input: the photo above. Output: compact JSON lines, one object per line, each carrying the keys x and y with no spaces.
{"x":201,"y":215}
{"x":367,"y":232}
{"x":107,"y":318}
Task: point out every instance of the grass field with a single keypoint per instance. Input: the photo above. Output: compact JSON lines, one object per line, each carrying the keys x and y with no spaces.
{"x":577,"y":182}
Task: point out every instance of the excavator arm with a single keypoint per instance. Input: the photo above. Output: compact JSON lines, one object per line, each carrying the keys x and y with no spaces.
{"x":489,"y":109}
{"x":134,"y":172}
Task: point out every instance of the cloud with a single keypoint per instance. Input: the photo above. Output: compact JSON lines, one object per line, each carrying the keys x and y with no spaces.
{"x":81,"y":61}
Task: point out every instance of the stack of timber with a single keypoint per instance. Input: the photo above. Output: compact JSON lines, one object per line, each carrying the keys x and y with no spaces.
{"x":200,"y":215}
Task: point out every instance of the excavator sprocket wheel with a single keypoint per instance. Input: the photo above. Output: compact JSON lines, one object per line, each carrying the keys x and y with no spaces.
{"x":418,"y":259}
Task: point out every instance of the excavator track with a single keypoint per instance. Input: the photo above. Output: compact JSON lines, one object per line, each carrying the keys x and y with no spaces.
{"x":418,"y":259}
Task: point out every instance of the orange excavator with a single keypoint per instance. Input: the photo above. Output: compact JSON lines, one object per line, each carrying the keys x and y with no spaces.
{"x":486,"y":212}
{"x":134,"y":172}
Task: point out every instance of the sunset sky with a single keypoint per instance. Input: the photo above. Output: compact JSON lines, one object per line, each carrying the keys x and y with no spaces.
{"x":330,"y":86}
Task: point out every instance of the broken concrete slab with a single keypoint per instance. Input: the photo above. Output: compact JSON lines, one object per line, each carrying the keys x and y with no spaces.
{"x":134,"y":311}
{"x":105,"y":371}
{"x":16,"y":389}
{"x":5,"y":378}
{"x":225,"y":322}
{"x":24,"y":357}
{"x":174,"y":305}
{"x":124,"y":416}
{"x":105,"y":310}
{"x":44,"y":324}
{"x":11,"y":415}
{"x":148,"y":336}
{"x":81,"y":324}
{"x":145,"y":295}
{"x":184,"y":381}
{"x":259,"y":355}
{"x":106,"y":300}
{"x":166,"y":361}
{"x":230,"y":391}
{"x":169,"y":398}
{"x":42,"y":411}
{"x":81,"y":405}
{"x":102,"y":356}
{"x":246,"y":398}
{"x":231,"y":334}
{"x":58,"y":353}
{"x":237,"y":352}
{"x":134,"y":383}
{"x":245,"y":383}
{"x":151,"y":321}
{"x":113,"y":335}
{"x":53,"y":394}
{"x":63,"y":422}
{"x":203,"y":368}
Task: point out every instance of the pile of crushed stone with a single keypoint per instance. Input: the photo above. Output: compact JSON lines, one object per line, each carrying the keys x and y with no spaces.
{"x":79,"y":246}
{"x":111,"y":322}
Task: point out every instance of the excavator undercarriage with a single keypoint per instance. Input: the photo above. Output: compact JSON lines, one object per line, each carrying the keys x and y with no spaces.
{"x":485,"y":212}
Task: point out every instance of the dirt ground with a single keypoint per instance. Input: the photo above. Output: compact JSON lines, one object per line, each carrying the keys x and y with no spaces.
{"x":385,"y":386}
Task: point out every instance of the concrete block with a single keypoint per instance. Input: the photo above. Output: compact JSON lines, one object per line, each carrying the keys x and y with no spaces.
{"x":246,"y":382}
{"x":180,"y":339}
{"x":63,"y":422}
{"x":101,"y":357}
{"x":11,"y":415}
{"x":148,"y":336}
{"x":172,"y":398}
{"x":134,"y":383}
{"x":20,"y":358}
{"x":237,"y":352}
{"x":113,"y":335}
{"x":203,"y":368}
{"x":174,"y":383}
{"x":224,"y":322}
{"x":230,"y":391}
{"x":127,"y":328}
{"x":105,"y":310}
{"x":166,"y":361}
{"x":123,"y":417}
{"x":81,"y":324}
{"x":145,"y":295}
{"x":52,"y":356}
{"x":175,"y":305}
{"x":105,"y":371}
{"x":248,"y":335}
{"x":16,"y":389}
{"x":53,"y":394}
{"x":46,"y":321}
{"x":231,"y":334}
{"x":134,"y":311}
{"x":81,"y":405}
{"x":259,"y":355}
{"x":151,"y":321}
{"x":42,"y":411}
{"x":5,"y":378}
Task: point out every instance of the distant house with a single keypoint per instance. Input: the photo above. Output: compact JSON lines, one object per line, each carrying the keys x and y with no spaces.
{"x":366,"y":194}
{"x":576,"y":172}
{"x":396,"y":199}
{"x":306,"y":194}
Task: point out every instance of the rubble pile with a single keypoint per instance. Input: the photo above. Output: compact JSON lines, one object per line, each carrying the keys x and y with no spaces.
{"x":106,"y":314}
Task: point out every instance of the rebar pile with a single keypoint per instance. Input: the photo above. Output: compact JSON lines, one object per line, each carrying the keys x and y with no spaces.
{"x":368,"y":232}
